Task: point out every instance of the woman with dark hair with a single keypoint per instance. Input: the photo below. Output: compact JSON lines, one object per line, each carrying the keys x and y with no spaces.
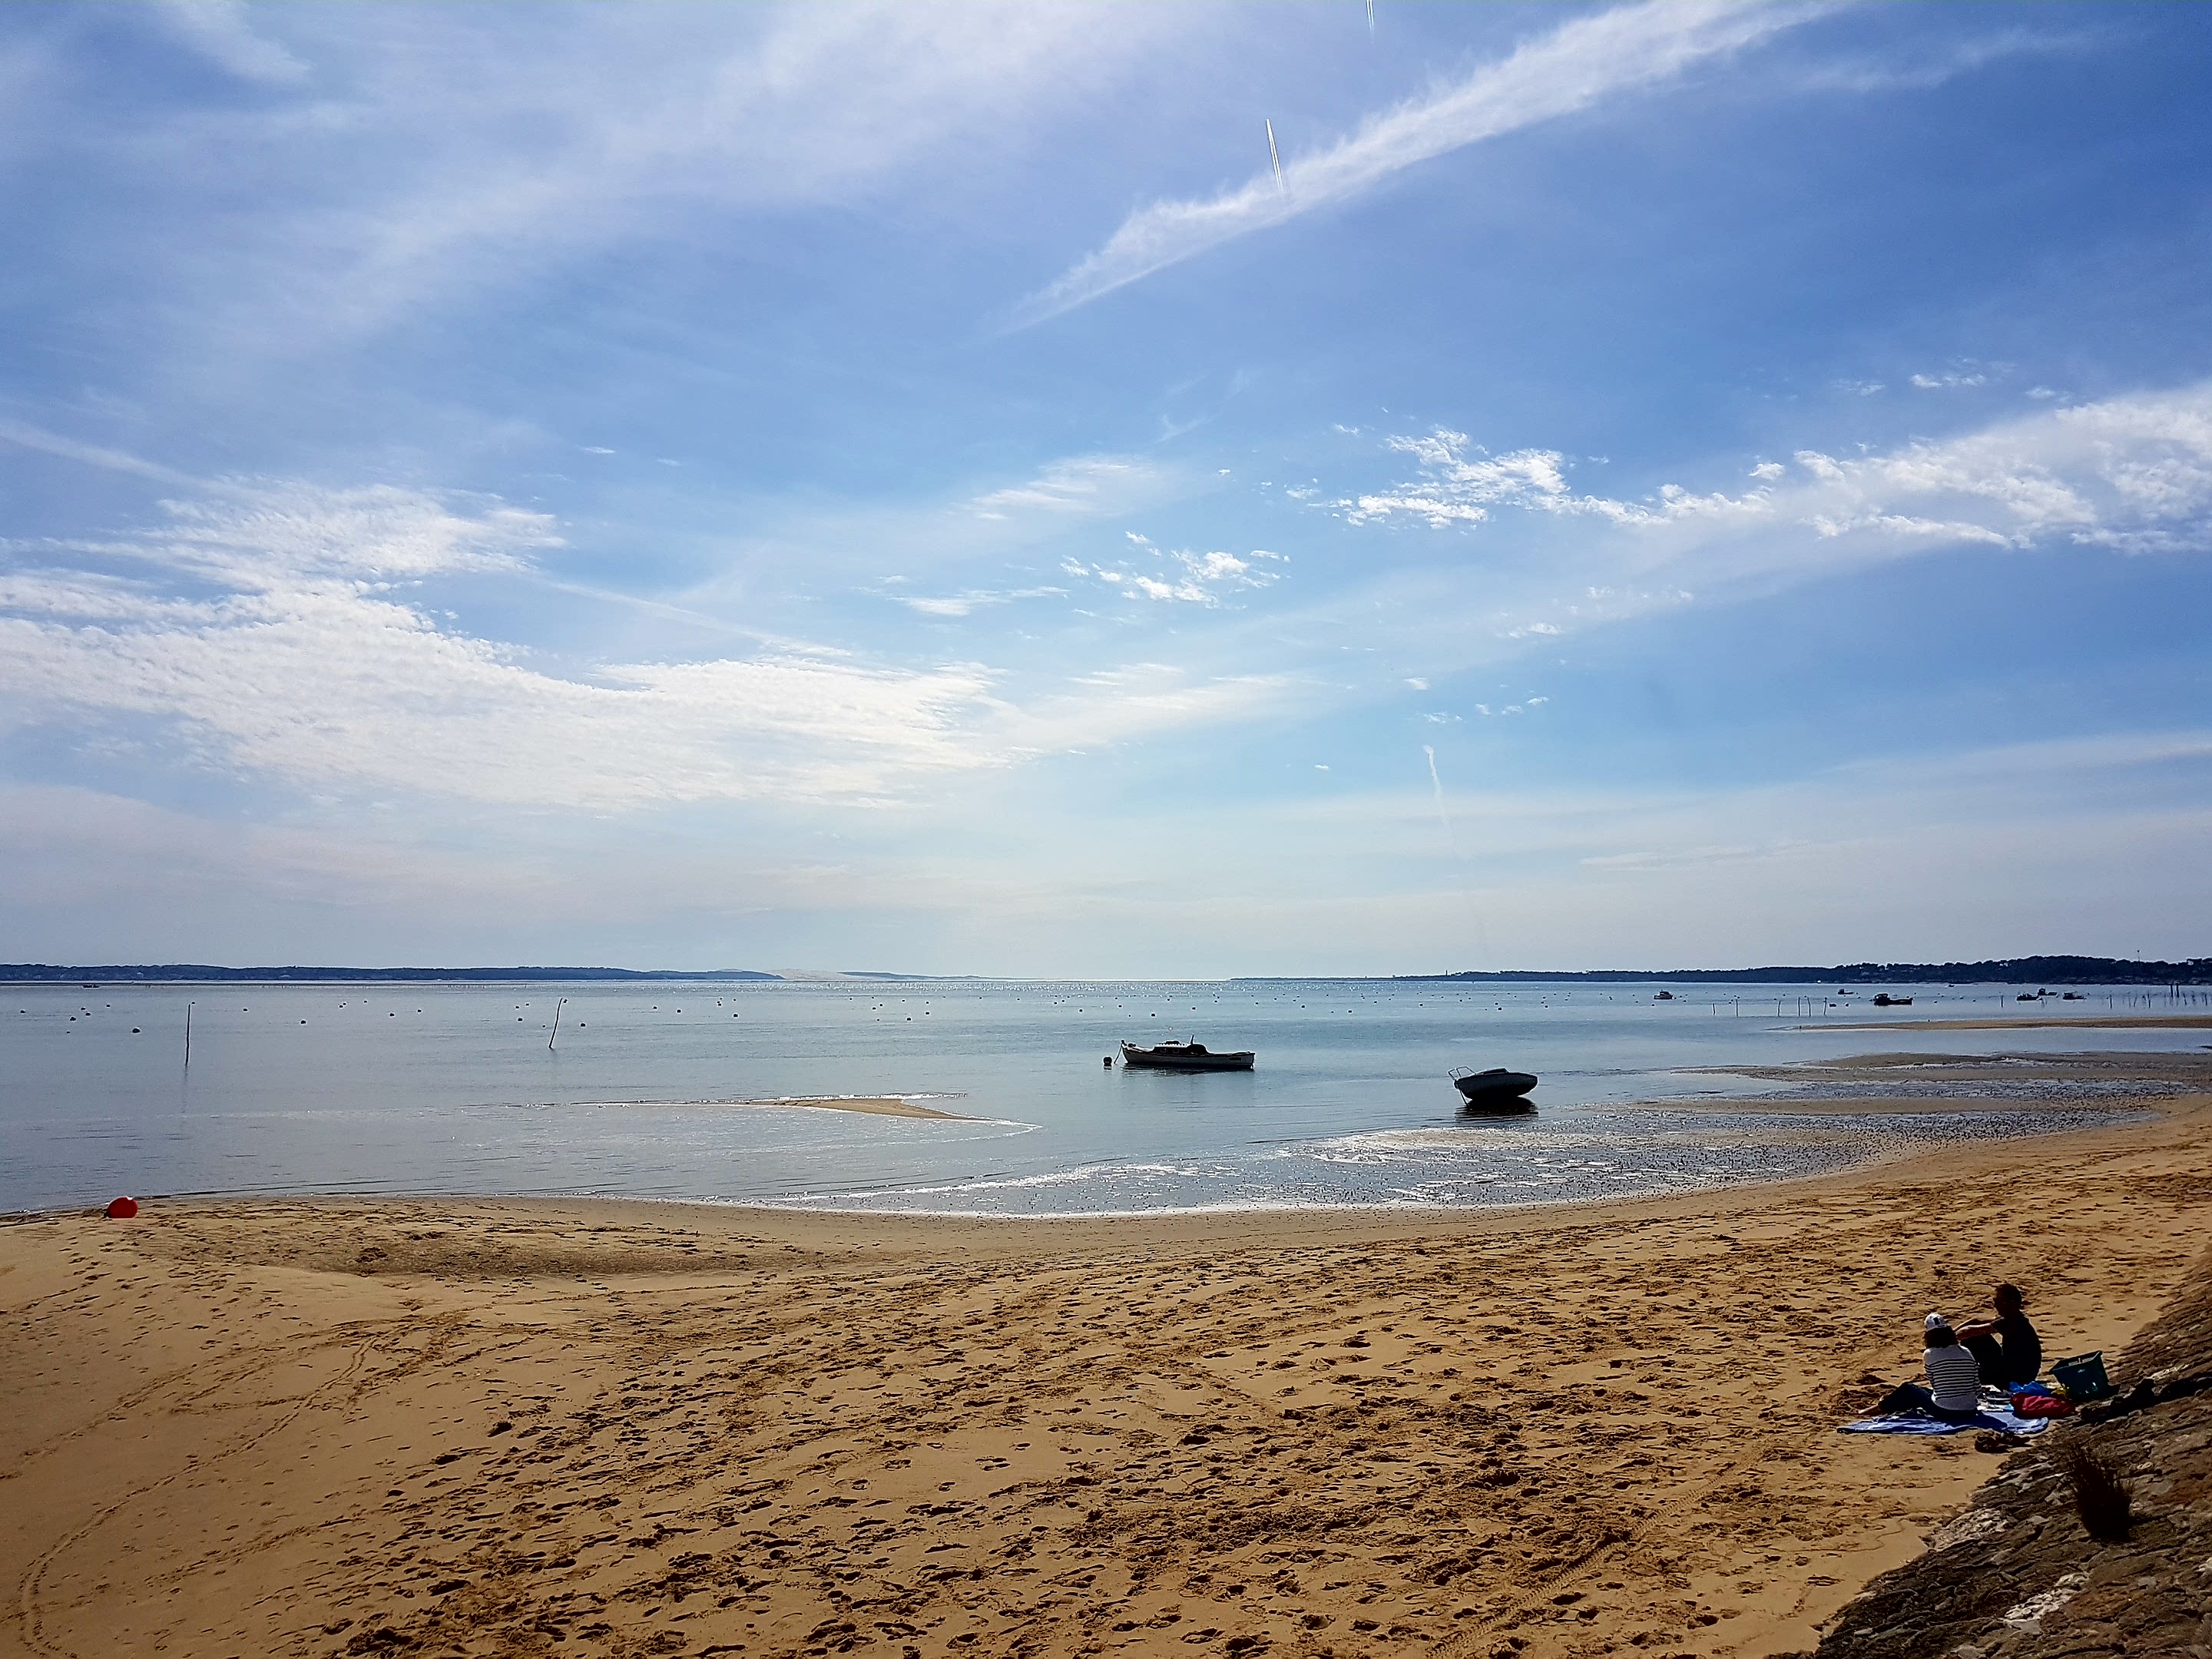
{"x":1955,"y":1377}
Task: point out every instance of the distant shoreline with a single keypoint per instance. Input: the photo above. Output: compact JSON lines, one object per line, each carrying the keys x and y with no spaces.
{"x":200,"y":973}
{"x":2006,"y":971}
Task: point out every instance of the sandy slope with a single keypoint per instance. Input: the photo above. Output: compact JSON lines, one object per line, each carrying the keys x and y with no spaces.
{"x":539,"y":1427}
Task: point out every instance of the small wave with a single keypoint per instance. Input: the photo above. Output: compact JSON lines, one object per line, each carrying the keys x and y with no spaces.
{"x":1007,"y":1183}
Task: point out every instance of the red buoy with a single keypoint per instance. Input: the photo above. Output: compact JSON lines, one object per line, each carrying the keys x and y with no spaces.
{"x":123,"y":1208}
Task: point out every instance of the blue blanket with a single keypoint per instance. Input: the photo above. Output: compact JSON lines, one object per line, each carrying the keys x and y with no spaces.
{"x":1997,"y":1418}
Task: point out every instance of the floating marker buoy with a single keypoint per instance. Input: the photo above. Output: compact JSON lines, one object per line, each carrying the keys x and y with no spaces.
{"x":121,"y":1209}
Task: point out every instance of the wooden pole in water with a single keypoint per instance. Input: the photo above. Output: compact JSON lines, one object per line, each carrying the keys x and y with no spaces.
{"x":557,"y":1007}
{"x":188,"y":1036}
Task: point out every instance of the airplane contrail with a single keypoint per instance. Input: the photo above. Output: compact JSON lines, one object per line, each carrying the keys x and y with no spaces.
{"x":1371,"y":17}
{"x":1436,"y":783}
{"x":1274,"y":160}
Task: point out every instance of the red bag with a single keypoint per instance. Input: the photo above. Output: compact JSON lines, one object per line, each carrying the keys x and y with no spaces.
{"x":2041,"y":1405}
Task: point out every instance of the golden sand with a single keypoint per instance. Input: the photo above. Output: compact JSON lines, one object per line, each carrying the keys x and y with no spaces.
{"x":531,"y":1427}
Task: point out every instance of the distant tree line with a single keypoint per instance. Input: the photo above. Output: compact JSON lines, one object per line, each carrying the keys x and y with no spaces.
{"x":2008,"y":970}
{"x":28,"y":973}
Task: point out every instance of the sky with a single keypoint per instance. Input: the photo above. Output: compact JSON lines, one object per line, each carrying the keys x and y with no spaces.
{"x":923,"y":488}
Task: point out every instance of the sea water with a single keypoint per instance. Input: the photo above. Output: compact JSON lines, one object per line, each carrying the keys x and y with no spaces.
{"x":463,"y":1089}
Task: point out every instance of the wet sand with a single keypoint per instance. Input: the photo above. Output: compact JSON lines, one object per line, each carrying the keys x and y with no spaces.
{"x":2028,"y":1022}
{"x":1948,"y":1083}
{"x":872,"y":1105}
{"x":526,"y":1427}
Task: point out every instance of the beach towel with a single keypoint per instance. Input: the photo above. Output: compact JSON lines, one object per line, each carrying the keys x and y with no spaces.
{"x":1990,"y":1417}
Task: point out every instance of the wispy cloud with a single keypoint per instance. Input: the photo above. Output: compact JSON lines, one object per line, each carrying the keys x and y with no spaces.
{"x":400,"y":159}
{"x":1925,"y":69}
{"x":2133,"y":474}
{"x":1079,"y":484}
{"x":295,"y":634}
{"x":272,"y":632}
{"x":25,"y":436}
{"x":1574,"y":66}
{"x":967,"y":603}
{"x":221,"y":32}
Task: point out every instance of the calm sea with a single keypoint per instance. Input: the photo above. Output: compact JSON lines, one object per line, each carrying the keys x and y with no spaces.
{"x":451,"y":1089}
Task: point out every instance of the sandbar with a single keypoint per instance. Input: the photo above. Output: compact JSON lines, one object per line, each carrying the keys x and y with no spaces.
{"x":872,"y":1105}
{"x":2028,"y":1022}
{"x":461,"y":1426}
{"x":1953,"y":1083}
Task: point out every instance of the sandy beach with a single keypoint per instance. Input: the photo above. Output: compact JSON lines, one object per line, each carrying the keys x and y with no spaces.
{"x":535,"y":1426}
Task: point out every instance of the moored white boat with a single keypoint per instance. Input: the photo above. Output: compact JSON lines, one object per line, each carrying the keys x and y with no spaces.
{"x":1185,"y":1057}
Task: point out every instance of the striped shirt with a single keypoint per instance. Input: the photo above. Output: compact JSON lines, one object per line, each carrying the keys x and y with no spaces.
{"x":1955,"y":1377}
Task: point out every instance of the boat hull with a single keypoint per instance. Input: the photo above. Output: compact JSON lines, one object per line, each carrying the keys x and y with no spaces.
{"x":1184,"y":1059}
{"x":1496,"y":1090}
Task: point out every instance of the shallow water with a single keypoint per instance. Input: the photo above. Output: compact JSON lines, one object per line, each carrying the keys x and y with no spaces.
{"x":451,"y":1089}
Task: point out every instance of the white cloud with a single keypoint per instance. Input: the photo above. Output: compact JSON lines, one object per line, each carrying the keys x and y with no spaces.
{"x":1203,"y":579}
{"x":1463,"y":489}
{"x":1573,"y":67}
{"x":1949,"y":378}
{"x":266,"y":631}
{"x":290,"y":633}
{"x":2132,"y":473}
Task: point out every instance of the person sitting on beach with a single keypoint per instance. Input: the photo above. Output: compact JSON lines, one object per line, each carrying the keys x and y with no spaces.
{"x":2006,"y":1348}
{"x":1955,"y":1379}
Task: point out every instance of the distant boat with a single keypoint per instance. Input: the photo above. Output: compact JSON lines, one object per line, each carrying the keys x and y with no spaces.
{"x":1185,"y":1057}
{"x":1664,"y":996}
{"x":1495,"y":1089}
{"x":2073,"y":996}
{"x":1883,"y":1000}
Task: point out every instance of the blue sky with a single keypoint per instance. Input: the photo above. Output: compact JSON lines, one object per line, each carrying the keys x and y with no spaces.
{"x":841,"y":488}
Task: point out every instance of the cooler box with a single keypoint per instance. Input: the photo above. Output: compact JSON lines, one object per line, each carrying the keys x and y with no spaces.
{"x":2082,"y":1376}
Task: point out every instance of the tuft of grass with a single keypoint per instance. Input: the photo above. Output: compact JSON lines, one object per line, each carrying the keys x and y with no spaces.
{"x":2102,"y":1497}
